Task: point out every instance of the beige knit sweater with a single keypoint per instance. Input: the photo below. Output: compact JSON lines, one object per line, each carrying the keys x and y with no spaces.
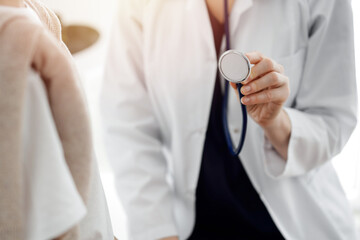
{"x":25,"y":44}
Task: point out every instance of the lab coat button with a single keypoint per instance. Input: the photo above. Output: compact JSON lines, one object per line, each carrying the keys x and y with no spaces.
{"x":197,"y":132}
{"x":191,"y":193}
{"x":236,"y":130}
{"x":200,"y":131}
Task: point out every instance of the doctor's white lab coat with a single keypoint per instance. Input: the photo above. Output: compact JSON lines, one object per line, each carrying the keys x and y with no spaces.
{"x":156,"y":102}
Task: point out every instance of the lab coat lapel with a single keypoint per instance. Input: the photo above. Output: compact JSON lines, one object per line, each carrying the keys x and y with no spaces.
{"x":239,"y":8}
{"x":206,"y":75}
{"x":206,"y":55}
{"x":198,"y":11}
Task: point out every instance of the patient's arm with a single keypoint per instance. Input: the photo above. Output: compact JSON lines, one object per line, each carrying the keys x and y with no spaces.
{"x":12,"y":3}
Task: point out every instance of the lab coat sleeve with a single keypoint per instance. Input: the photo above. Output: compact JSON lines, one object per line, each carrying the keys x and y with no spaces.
{"x":324,"y":113}
{"x":132,"y":134}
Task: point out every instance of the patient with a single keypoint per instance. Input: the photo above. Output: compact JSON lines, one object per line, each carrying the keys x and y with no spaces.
{"x":49,"y":182}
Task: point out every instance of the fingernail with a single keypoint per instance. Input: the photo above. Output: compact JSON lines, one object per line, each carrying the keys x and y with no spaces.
{"x":245,"y":100}
{"x":246,"y":89}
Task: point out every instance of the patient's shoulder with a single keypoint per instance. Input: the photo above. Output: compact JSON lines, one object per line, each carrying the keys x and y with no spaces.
{"x":47,"y":16}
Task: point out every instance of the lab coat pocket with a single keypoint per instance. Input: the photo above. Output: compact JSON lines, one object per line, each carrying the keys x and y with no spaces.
{"x":294,"y":66}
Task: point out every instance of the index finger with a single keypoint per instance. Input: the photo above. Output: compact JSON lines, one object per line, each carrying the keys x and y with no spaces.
{"x":254,"y":57}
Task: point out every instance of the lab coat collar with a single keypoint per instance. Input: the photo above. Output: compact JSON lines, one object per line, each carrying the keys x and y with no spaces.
{"x":240,"y":6}
{"x":197,"y":8}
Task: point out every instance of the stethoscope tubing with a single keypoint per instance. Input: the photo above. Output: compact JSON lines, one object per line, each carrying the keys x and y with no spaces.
{"x":235,"y":151}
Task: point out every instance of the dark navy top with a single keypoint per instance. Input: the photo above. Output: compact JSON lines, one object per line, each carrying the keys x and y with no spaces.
{"x":227,"y":205}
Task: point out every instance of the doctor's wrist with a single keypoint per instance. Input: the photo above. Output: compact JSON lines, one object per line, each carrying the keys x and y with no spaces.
{"x":278,"y":132}
{"x":275,"y":124}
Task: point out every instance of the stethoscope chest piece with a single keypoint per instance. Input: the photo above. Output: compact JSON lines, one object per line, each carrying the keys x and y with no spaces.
{"x":234,"y":66}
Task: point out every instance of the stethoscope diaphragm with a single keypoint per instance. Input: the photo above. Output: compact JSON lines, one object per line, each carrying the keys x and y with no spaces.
{"x":234,"y":66}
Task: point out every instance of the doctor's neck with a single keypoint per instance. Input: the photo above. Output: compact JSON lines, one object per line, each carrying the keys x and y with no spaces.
{"x":12,"y":3}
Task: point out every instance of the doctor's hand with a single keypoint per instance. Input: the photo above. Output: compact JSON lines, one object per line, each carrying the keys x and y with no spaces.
{"x":170,"y":238}
{"x":265,"y":92}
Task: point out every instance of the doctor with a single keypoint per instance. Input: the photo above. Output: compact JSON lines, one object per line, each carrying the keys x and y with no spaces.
{"x":162,"y":111}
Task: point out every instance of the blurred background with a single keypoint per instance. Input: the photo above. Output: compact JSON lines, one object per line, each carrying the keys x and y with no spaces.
{"x":99,"y":14}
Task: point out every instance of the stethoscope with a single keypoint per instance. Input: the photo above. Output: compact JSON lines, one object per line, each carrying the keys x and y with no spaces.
{"x":234,"y":67}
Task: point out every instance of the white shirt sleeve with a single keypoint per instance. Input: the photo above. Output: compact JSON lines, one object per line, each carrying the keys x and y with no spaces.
{"x":52,"y":202}
{"x":132,"y":133}
{"x":324,"y":114}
